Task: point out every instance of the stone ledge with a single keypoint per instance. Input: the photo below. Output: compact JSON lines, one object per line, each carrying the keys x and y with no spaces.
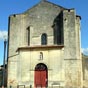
{"x":40,"y":47}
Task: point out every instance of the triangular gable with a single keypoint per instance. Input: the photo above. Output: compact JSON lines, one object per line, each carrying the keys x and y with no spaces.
{"x":42,"y":2}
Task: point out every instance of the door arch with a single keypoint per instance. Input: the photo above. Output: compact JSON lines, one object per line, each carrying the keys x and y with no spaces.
{"x":41,"y":75}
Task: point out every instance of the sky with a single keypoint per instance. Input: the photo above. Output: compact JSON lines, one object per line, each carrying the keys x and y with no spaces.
{"x":9,"y":7}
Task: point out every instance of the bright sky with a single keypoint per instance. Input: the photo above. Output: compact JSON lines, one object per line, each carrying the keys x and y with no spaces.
{"x":8,"y":7}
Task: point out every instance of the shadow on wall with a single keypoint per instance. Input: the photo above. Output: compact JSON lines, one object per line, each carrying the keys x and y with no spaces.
{"x":58,"y":29}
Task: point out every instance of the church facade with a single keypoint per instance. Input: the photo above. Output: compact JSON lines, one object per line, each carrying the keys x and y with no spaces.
{"x":44,"y":48}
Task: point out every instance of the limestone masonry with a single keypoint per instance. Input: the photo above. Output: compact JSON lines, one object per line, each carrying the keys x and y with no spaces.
{"x":44,"y":48}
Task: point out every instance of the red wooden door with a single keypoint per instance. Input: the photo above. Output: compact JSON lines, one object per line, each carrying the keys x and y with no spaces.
{"x":41,"y":77}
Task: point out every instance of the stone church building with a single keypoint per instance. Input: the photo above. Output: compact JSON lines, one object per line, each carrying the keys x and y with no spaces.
{"x":44,"y":48}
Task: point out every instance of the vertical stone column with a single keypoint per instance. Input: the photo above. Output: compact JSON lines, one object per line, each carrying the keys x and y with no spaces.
{"x":72,"y":59}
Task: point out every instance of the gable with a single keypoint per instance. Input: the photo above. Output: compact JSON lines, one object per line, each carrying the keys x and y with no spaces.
{"x":42,"y":17}
{"x":44,"y":7}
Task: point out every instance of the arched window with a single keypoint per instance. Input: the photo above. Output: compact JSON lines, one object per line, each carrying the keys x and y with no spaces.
{"x":44,"y":39}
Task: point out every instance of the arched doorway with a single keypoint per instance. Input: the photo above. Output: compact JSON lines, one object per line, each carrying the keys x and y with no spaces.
{"x":41,"y":76}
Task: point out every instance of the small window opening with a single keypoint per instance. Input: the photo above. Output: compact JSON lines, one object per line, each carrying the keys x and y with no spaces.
{"x":44,"y":39}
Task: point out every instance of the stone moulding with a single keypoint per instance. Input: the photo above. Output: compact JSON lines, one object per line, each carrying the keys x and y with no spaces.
{"x":40,"y":47}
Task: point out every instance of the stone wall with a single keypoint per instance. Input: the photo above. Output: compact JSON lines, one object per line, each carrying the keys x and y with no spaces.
{"x":72,"y":55}
{"x":64,"y":63}
{"x":85,"y":70}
